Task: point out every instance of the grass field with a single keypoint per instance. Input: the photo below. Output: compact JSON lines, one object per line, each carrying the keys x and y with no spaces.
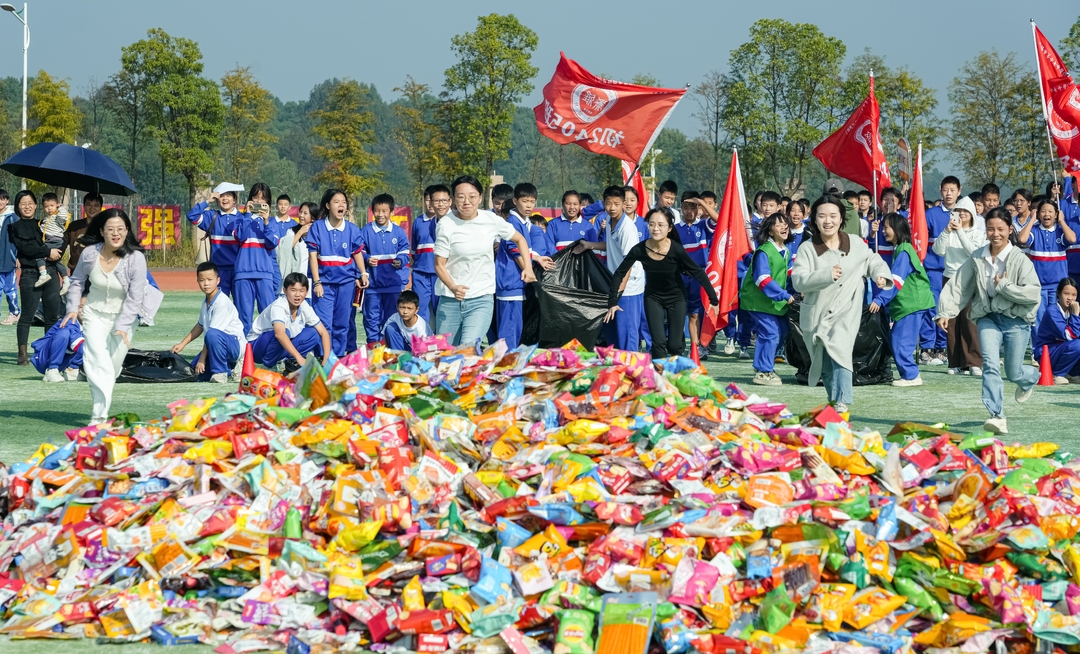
{"x":32,"y":411}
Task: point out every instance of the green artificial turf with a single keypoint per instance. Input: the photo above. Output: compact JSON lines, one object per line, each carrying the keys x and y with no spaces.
{"x":32,"y":412}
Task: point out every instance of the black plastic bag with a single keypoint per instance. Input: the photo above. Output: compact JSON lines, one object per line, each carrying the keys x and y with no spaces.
{"x":149,"y":367}
{"x":871,"y":356}
{"x":571,"y":301}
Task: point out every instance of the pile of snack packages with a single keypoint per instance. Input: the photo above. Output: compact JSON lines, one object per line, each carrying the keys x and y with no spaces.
{"x":536,"y":500}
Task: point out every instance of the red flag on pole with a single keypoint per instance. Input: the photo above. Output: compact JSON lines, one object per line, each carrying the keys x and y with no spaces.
{"x":920,"y":234}
{"x":1062,"y":129}
{"x":601,"y":115}
{"x":729,"y":245}
{"x":639,"y":186}
{"x":854,"y":151}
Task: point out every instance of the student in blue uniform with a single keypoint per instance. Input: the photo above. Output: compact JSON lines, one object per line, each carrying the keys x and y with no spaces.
{"x":764,"y":295}
{"x":696,"y":238}
{"x":908,"y":300}
{"x":1059,"y":330}
{"x":220,"y":327}
{"x":279,"y":226}
{"x":256,"y":265}
{"x":405,"y":325}
{"x":289,"y":329}
{"x":423,"y":249}
{"x":631,"y":201}
{"x":217,"y":223}
{"x":1046,"y":244}
{"x":890,"y":203}
{"x":570,"y":226}
{"x":386,"y":253}
{"x":509,"y":288}
{"x":932,"y":338}
{"x":337,"y":267}
{"x":538,"y":238}
{"x":59,"y":349}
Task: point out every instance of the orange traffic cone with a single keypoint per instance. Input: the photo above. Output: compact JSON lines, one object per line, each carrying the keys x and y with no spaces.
{"x":1046,"y":371}
{"x":694,"y":354}
{"x":249,"y":362}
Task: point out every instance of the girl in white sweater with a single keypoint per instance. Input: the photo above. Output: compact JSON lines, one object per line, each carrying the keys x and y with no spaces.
{"x":960,"y":238}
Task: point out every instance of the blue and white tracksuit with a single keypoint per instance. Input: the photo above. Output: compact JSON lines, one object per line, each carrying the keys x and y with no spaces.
{"x":624,"y":331}
{"x":563,"y":232}
{"x":1059,"y":330}
{"x":224,"y":247}
{"x":771,"y":329}
{"x":334,"y":250}
{"x":59,"y":348}
{"x":509,"y":289}
{"x":905,"y":332}
{"x":696,"y":239}
{"x":423,"y":268}
{"x":382,"y":246}
{"x":1046,"y":249}
{"x":930,"y":335}
{"x":8,"y":258}
{"x":256,"y":265}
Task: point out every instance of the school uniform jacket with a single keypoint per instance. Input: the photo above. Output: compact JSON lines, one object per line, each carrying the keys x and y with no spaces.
{"x":564,"y":232}
{"x":423,"y":243}
{"x":334,"y":250}
{"x":381,"y":247}
{"x":508,"y":284}
{"x":257,"y":241}
{"x":224,"y":247}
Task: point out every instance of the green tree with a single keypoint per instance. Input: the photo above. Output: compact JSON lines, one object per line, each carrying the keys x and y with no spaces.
{"x":418,"y":135}
{"x":492,"y":74}
{"x":346,"y":128}
{"x":709,"y":95}
{"x":51,"y":114}
{"x":781,"y":97}
{"x":1070,"y":47}
{"x":991,"y":132}
{"x":249,"y":108}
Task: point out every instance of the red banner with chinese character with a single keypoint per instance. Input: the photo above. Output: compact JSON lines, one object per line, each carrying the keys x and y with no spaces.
{"x":158,"y":226}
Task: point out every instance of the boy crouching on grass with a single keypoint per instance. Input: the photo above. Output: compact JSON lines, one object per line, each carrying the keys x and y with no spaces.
{"x":405,"y":325}
{"x":288,"y":330}
{"x":219,"y":325}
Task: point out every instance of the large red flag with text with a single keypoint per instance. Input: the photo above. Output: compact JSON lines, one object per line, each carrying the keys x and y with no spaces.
{"x":639,"y":186}
{"x":1063,"y":128}
{"x":920,"y":234}
{"x":854,"y":151}
{"x":729,"y":244}
{"x":601,"y":115}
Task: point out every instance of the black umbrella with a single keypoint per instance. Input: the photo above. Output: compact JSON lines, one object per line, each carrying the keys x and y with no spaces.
{"x":69,"y":166}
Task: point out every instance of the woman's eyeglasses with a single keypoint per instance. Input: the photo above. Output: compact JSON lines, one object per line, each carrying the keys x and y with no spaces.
{"x":117,"y":231}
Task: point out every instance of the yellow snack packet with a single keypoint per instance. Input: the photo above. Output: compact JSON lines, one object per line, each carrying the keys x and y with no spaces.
{"x":188,"y":417}
{"x":352,"y":538}
{"x":463,"y":608}
{"x":412,"y":596}
{"x":348,"y":583}
{"x":848,"y":460}
{"x":549,"y":542}
{"x":871,"y":605}
{"x":209,"y":451}
{"x":876,"y":554}
{"x":834,"y":600}
{"x":1031,"y":451}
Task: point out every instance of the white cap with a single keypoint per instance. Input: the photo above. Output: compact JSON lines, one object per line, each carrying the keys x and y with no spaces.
{"x":226,"y":187}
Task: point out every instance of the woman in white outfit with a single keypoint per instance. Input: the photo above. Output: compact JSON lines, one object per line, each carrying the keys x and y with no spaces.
{"x":114,"y":266}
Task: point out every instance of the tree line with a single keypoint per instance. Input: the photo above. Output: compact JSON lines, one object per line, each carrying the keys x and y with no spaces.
{"x":784,"y":90}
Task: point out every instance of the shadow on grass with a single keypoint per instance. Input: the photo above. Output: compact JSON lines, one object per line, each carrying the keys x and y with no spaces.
{"x":49,"y":416}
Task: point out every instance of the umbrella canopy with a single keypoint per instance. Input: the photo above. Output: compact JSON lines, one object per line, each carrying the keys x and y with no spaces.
{"x":69,"y":166}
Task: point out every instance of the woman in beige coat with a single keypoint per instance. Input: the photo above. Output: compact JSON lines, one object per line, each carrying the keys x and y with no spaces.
{"x":830,"y":270}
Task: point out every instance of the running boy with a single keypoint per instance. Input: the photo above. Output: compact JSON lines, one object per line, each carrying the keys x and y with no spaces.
{"x":289,"y":330}
{"x":219,"y":325}
{"x":52,"y":230}
{"x":386,"y":252}
{"x":405,"y":325}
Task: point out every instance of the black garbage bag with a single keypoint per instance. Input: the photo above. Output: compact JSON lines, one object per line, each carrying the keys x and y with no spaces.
{"x":530,"y":311}
{"x":871,"y":356}
{"x":570,"y":301}
{"x":149,"y":367}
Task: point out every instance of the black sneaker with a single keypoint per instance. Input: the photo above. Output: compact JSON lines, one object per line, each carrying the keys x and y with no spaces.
{"x":703,"y":352}
{"x":291,"y":366}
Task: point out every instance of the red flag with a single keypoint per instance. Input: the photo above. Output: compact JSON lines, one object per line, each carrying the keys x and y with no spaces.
{"x":854,"y":151}
{"x":638,"y":184}
{"x":1065,"y":99}
{"x":603,"y":116}
{"x":1063,"y":130}
{"x":729,"y":245}
{"x":920,"y":234}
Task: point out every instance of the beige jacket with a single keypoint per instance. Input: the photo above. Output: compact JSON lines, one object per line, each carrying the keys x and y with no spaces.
{"x":1017,"y":296}
{"x":831,"y":311}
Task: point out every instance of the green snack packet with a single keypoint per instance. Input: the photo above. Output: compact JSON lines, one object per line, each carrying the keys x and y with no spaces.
{"x":692,"y":382}
{"x":665,"y":610}
{"x":857,"y":507}
{"x":1037,"y":567}
{"x":331,"y":449}
{"x":377,"y":553}
{"x":835,"y":560}
{"x":977,"y":441}
{"x":777,"y":610}
{"x":917,"y":596}
{"x":1038,"y":467}
{"x":909,"y":566}
{"x":287,"y":416}
{"x":1021,"y":480}
{"x":424,"y":406}
{"x":954,"y":583}
{"x":855,"y":572}
{"x":575,"y":632}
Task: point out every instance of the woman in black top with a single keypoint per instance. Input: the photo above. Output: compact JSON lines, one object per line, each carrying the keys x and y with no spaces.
{"x":664,"y":260}
{"x":26,"y":236}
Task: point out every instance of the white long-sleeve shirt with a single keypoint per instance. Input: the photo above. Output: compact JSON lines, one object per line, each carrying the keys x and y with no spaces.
{"x":956,"y":247}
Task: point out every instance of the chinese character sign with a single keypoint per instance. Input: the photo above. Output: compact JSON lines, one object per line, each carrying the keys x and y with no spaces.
{"x":158,"y":225}
{"x":601,"y":115}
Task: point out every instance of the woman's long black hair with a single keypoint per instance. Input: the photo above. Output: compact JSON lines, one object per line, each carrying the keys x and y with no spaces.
{"x":811,"y":224}
{"x":324,"y":204}
{"x":670,"y":215}
{"x":313,"y":211}
{"x":900,"y":227}
{"x":1001,"y":213}
{"x":764,"y":230}
{"x":94,"y":232}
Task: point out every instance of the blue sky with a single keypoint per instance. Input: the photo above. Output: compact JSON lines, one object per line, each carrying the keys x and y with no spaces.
{"x":291,"y":46}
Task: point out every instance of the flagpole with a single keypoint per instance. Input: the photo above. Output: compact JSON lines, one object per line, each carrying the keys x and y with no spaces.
{"x":874,"y":191}
{"x":1046,"y":116}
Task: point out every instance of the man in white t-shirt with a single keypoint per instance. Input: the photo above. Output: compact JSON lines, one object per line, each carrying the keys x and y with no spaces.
{"x":219,"y":325}
{"x":406,"y":324}
{"x":289,"y":329}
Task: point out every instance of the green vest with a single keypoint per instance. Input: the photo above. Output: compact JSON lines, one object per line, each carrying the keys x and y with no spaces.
{"x":915,"y":294}
{"x":752,"y":298}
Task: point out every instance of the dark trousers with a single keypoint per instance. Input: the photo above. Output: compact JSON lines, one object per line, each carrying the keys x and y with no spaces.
{"x":963,"y":340}
{"x":49,"y":297}
{"x":673,"y":309}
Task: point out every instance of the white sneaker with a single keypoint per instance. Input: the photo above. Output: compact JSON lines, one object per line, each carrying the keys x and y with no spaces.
{"x":42,"y":280}
{"x":10,"y":320}
{"x":52,"y":375}
{"x":910,"y":382}
{"x":744,"y":354}
{"x":729,"y":348}
{"x":145,"y":322}
{"x":767,"y":379}
{"x":996,"y":425}
{"x":1060,"y":381}
{"x":65,"y":285}
{"x":935,"y":361}
{"x":976,"y":371}
{"x":1022,"y":395}
{"x":72,"y":374}
{"x":955,"y":371}
{"x":841,"y":408}
{"x":220,"y":378}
